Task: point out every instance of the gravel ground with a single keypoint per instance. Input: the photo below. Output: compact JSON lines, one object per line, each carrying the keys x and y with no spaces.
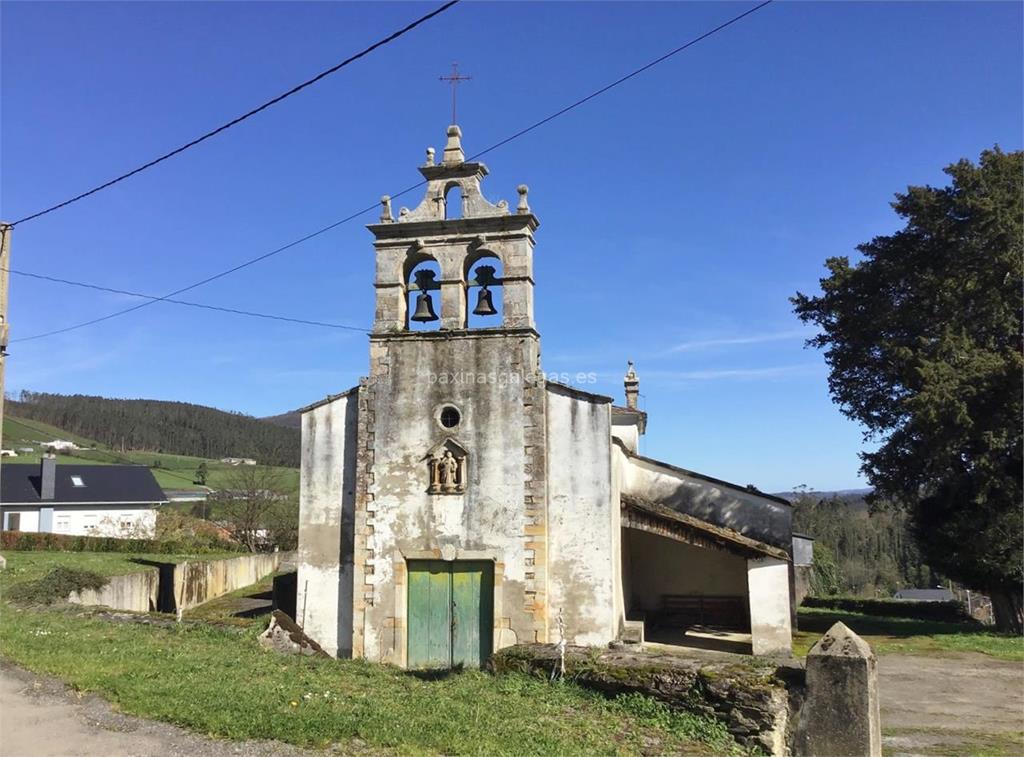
{"x":41,"y":717}
{"x":957,"y":704}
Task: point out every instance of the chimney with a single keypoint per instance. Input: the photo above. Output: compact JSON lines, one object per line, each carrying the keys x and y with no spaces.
{"x":48,"y":476}
{"x":632,"y":387}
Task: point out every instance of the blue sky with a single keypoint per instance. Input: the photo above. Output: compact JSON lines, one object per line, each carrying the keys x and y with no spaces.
{"x":678,"y":212}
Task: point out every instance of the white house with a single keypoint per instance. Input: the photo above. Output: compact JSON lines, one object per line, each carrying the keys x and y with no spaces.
{"x":60,"y":445}
{"x":80,"y":500}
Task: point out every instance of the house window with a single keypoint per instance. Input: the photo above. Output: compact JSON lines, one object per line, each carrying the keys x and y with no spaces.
{"x":13,"y":521}
{"x":77,"y":481}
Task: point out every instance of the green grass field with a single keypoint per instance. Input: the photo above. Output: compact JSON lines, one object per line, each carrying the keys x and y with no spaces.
{"x":907,"y":636}
{"x":171,"y":471}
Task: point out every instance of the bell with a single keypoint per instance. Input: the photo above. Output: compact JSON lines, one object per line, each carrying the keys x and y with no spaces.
{"x":424,"y":309}
{"x":484,"y":304}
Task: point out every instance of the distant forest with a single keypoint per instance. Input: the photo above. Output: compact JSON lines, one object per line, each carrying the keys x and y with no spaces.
{"x":858,"y":552}
{"x":157,"y":426}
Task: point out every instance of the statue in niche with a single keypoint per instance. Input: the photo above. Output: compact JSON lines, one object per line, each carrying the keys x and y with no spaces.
{"x":447,"y":470}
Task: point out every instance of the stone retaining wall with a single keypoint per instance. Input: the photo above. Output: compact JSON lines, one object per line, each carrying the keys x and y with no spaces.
{"x":756,"y":701}
{"x":136,"y":592}
{"x":200,"y":581}
{"x":168,"y":587}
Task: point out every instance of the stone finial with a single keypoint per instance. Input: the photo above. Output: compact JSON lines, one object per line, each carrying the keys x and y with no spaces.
{"x":430,"y":156}
{"x":524,"y":207}
{"x":840,"y":641}
{"x":840,"y":715}
{"x":632,"y":384}
{"x":453,"y":154}
{"x":385,"y":209}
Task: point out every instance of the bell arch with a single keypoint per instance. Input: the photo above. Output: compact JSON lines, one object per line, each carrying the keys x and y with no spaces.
{"x":421,"y":286}
{"x":454,"y":201}
{"x":482,"y":277}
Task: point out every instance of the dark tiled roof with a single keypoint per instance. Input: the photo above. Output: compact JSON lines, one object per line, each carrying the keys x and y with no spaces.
{"x":19,"y":484}
{"x":925,"y":595}
{"x":724,"y":537}
{"x":746,"y":489}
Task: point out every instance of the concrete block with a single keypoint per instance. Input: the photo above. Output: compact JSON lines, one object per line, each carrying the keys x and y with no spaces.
{"x":840,"y":717}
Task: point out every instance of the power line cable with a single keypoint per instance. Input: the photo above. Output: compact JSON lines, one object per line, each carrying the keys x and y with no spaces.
{"x":235,"y":311}
{"x":243,"y":117}
{"x":496,"y":145}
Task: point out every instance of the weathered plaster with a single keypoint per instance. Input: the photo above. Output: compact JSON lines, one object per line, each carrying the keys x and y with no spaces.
{"x":581,"y":520}
{"x":768,"y":585}
{"x":326,"y":503}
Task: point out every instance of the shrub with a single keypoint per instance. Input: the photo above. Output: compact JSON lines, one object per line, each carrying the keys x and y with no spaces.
{"x":56,"y":585}
{"x":946,"y":612}
{"x":26,"y":541}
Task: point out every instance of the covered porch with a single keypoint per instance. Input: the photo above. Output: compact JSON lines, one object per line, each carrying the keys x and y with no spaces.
{"x":692,"y":584}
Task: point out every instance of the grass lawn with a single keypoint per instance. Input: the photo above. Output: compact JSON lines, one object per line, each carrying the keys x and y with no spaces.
{"x":907,"y":636}
{"x":220,"y":682}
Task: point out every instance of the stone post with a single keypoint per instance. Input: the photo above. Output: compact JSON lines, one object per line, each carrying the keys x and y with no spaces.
{"x":840,"y":716}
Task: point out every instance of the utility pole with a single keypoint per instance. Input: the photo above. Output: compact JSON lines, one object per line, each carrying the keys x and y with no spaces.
{"x":5,"y":273}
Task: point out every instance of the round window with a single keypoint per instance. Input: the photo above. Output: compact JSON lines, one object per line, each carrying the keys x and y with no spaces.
{"x":450,"y":416}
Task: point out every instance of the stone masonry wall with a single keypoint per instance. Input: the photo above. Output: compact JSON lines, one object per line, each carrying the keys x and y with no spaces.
{"x":755,"y":702}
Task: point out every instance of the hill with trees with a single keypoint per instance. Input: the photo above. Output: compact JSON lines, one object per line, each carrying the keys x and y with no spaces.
{"x":160,"y":426}
{"x":859,"y":551}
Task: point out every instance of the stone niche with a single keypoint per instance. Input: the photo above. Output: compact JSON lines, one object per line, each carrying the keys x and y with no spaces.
{"x":447,"y":468}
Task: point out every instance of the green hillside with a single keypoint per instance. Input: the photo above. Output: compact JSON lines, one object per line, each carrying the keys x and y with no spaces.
{"x":171,"y":471}
{"x":158,"y":426}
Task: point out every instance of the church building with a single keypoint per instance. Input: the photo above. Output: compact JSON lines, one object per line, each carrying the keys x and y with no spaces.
{"x":457,"y":501}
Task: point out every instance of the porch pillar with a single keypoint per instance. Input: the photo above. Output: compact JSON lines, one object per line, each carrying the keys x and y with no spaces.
{"x":771,"y":632}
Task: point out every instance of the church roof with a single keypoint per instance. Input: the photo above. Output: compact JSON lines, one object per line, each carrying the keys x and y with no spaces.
{"x":697,"y":531}
{"x":325,"y":401}
{"x":749,"y":489}
{"x":572,"y":391}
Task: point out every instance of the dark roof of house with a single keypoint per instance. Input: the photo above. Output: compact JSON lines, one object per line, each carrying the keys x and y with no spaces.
{"x":925,"y":595}
{"x":20,"y":484}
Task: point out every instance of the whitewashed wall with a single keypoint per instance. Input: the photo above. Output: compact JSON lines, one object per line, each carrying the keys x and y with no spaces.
{"x":771,"y":632}
{"x":582,"y":518}
{"x":327,"y":485}
{"x":29,"y":519}
{"x":139,"y":521}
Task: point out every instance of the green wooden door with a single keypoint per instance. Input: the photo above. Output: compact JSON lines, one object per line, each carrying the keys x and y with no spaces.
{"x":450,"y":613}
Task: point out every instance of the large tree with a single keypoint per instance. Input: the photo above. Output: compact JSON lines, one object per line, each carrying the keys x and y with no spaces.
{"x":923,"y":339}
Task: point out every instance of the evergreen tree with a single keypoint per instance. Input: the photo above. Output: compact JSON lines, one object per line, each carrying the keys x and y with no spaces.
{"x":923,"y":341}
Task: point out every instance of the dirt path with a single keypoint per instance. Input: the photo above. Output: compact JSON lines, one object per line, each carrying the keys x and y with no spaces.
{"x":951,"y":705}
{"x":39,"y":717}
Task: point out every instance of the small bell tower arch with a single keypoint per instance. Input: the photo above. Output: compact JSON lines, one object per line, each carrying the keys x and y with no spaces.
{"x":482,"y":234}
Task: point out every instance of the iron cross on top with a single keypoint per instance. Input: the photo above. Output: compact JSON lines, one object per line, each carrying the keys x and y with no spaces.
{"x":454,"y":79}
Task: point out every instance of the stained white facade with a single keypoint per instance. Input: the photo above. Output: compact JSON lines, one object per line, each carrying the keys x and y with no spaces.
{"x":456,"y":450}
